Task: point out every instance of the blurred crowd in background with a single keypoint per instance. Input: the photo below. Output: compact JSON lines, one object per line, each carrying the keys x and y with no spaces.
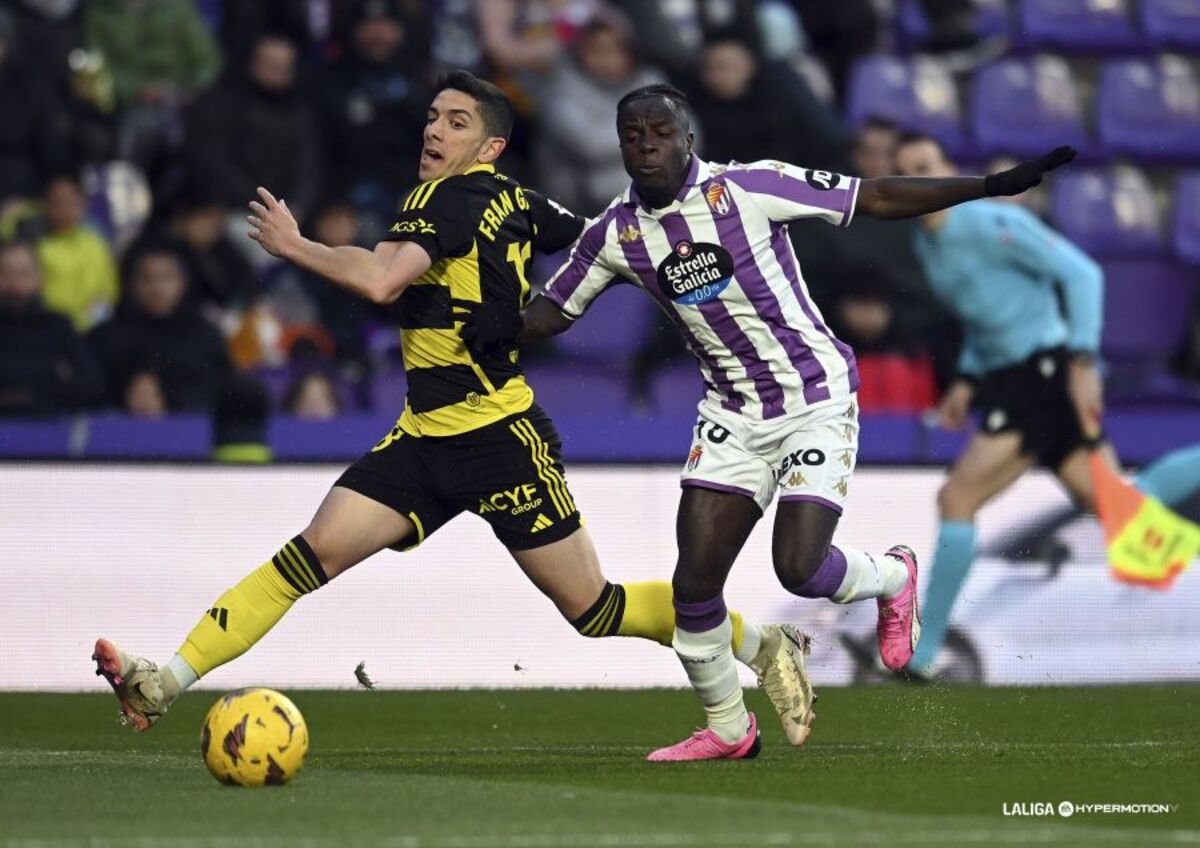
{"x":134,"y":132}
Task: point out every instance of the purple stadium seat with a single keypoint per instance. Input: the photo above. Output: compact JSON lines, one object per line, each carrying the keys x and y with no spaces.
{"x":1108,"y":212}
{"x":988,"y":18}
{"x":1172,"y":23}
{"x":1025,"y":107}
{"x":917,"y":93}
{"x":1185,"y":235}
{"x":1150,"y":109}
{"x":614,"y":326}
{"x":566,"y":389}
{"x":1147,"y":307}
{"x":389,"y":387}
{"x":677,"y":387}
{"x":278,"y":380}
{"x":1084,"y":25}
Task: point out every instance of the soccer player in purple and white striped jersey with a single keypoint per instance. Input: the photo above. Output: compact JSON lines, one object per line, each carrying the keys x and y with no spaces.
{"x":709,"y":243}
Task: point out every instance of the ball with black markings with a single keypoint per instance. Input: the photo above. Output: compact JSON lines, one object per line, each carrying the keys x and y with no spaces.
{"x":254,"y":737}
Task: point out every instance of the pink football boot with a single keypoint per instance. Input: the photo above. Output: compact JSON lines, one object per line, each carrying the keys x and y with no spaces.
{"x":706,"y":745}
{"x":899,"y":627}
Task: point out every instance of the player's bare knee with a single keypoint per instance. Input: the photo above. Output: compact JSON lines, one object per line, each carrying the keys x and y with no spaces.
{"x":692,"y":588}
{"x":326,"y":550}
{"x":795,"y":566}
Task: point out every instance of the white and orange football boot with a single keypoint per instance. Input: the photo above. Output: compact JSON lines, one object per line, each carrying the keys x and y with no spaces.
{"x":137,"y":683}
{"x":782,"y":675}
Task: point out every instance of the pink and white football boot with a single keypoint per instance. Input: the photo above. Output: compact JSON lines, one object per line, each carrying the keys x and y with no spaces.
{"x":706,"y":745}
{"x":899,"y":627}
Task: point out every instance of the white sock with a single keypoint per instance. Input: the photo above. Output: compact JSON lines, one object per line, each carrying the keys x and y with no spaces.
{"x":708,"y":660}
{"x":177,"y":676}
{"x":751,"y":642}
{"x":869,"y":576}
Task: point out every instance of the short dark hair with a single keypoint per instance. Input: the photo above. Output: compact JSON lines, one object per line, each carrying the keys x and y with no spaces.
{"x":494,"y":105}
{"x":877,"y":122}
{"x":917,"y":137}
{"x":660,"y":89}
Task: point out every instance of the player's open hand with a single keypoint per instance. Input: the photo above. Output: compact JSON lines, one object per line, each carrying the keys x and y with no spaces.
{"x":1028,"y":174}
{"x":955,"y":406}
{"x":272,"y":224}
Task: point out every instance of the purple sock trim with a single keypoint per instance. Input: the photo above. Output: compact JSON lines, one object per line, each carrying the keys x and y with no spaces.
{"x":702,"y":616}
{"x":828,"y":578}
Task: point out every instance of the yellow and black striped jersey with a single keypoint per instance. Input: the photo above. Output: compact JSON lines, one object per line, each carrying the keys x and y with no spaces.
{"x":480,"y":229}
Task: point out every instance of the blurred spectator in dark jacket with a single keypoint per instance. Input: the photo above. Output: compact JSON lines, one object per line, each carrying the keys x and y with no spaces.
{"x":840,"y":32}
{"x":219,"y":271}
{"x":78,"y":269}
{"x":144,"y":395}
{"x":374,"y":108}
{"x":45,"y":368}
{"x":752,"y":110}
{"x":674,"y":33}
{"x":346,"y":317}
{"x":158,"y":327}
{"x":256,"y":129}
{"x":455,"y":42}
{"x":303,"y":22}
{"x":34,"y":130}
{"x":160,"y":54}
{"x":578,"y":165}
{"x":312,"y":395}
{"x":836,"y":259}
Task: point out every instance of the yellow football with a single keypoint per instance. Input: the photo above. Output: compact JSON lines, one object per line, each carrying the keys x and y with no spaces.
{"x":254,"y":737}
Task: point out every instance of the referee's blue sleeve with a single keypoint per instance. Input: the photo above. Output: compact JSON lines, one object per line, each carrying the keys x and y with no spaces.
{"x":969,"y":364}
{"x":1047,"y":254}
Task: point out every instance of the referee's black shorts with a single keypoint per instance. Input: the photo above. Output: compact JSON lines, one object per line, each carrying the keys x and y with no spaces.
{"x":509,"y":473}
{"x":1032,"y":398}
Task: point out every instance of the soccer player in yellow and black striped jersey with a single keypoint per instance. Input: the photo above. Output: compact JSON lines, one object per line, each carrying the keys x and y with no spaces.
{"x":470,"y":438}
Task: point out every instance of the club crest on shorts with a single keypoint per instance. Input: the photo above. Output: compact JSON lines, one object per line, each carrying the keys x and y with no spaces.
{"x":694,"y":456}
{"x":718,"y":198}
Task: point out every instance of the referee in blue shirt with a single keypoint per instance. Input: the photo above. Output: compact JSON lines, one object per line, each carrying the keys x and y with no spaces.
{"x":1030,"y":304}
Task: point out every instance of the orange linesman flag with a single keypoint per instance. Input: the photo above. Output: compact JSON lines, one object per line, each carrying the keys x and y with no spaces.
{"x":1148,"y":544}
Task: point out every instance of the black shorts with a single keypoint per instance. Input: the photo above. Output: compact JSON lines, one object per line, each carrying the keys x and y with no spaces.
{"x":1031,"y":398}
{"x":509,"y":473}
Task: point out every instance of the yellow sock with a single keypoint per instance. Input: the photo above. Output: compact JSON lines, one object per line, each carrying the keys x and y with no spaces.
{"x":642,"y":610}
{"x":246,"y":612}
{"x":649,"y":612}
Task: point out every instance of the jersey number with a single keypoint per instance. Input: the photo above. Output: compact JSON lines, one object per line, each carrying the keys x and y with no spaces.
{"x":519,"y":254}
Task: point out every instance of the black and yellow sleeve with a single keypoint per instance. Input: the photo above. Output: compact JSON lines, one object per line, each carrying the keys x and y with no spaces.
{"x":434,"y":215}
{"x":555,"y":226}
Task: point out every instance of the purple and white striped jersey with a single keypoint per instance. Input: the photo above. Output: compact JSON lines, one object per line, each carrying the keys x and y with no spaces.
{"x":719,"y":262}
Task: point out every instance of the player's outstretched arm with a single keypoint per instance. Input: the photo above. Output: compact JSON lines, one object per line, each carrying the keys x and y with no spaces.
{"x":908,"y":197}
{"x":380,"y":276}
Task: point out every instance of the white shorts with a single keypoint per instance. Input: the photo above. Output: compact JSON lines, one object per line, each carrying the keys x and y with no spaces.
{"x":804,"y":457}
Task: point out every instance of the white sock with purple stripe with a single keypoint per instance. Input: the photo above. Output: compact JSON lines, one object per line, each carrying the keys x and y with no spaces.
{"x":702,"y":635}
{"x":848,"y":575}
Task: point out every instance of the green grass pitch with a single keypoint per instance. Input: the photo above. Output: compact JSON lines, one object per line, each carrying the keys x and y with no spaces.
{"x":552,"y":769}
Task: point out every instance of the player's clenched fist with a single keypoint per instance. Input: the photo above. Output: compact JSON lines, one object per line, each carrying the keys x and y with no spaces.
{"x":272,"y":224}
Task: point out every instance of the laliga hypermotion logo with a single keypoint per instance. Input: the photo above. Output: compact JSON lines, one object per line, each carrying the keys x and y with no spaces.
{"x":718,"y":198}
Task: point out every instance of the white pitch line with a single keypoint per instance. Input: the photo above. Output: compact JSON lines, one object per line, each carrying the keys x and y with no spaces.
{"x":975,"y":836}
